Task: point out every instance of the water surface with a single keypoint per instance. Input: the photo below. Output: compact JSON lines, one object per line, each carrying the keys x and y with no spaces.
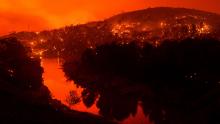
{"x":55,"y":80}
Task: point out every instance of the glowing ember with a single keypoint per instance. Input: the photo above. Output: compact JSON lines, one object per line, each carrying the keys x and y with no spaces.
{"x":123,"y":29}
{"x":204,"y":29}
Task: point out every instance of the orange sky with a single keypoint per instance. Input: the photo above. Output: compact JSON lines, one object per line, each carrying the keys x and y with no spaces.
{"x":34,"y":15}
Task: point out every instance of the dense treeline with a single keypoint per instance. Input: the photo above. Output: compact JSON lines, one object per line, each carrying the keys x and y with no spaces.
{"x":176,"y":81}
{"x":24,"y":98}
{"x":168,"y":61}
{"x":17,"y":67}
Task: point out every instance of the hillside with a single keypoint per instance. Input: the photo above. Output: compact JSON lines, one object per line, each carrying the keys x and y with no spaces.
{"x":149,"y":25}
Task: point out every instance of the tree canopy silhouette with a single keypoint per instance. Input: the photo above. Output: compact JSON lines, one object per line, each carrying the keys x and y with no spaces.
{"x":176,"y":81}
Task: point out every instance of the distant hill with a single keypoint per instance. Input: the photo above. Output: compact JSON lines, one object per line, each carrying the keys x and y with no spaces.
{"x":149,"y":25}
{"x":165,"y":23}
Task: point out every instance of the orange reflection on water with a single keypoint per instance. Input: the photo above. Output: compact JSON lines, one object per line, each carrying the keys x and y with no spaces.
{"x":54,"y":79}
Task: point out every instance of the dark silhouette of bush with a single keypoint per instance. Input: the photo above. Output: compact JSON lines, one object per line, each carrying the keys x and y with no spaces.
{"x":177,"y":81}
{"x":24,"y":98}
{"x":17,"y":65}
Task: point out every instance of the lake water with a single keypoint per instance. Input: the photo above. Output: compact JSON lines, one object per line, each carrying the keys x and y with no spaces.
{"x":55,"y":80}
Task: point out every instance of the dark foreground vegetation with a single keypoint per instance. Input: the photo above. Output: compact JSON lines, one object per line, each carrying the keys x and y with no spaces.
{"x":177,"y":82}
{"x":24,"y":98}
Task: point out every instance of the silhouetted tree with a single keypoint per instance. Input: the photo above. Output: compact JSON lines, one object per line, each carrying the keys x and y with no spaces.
{"x":176,"y":81}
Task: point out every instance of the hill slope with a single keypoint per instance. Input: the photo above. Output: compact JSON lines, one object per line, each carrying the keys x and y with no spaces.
{"x":149,"y":25}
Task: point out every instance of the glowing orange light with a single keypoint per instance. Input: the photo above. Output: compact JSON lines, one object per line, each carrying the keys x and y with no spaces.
{"x":32,"y":43}
{"x":162,"y":24}
{"x":204,"y":29}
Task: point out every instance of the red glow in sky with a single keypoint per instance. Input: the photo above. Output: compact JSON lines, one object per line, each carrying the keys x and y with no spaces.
{"x":35,"y":15}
